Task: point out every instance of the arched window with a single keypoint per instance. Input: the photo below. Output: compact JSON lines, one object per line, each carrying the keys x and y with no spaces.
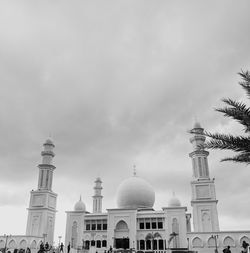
{"x":175,"y":226}
{"x":104,"y":243}
{"x":33,"y":245}
{"x":34,"y":226}
{"x":2,"y":243}
{"x":206,"y":167}
{"x":244,"y":238}
{"x":175,"y":229}
{"x":98,"y":244}
{"x":23,"y":244}
{"x":87,"y":244}
{"x":74,"y":235}
{"x":40,"y":243}
{"x":229,"y":241}
{"x":161,"y":244}
{"x":211,"y":242}
{"x":193,"y":165}
{"x":148,"y":244}
{"x":154,"y":244}
{"x":93,"y":243}
{"x":206,"y":222}
{"x":121,"y":225}
{"x":200,"y":166}
{"x":12,"y":244}
{"x":197,"y":242}
{"x":142,"y":245}
{"x":50,"y":227}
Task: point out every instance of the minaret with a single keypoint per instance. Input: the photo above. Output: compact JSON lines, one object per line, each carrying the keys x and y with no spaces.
{"x":204,"y":203}
{"x":42,"y":207}
{"x":97,"y":198}
{"x":46,"y":168}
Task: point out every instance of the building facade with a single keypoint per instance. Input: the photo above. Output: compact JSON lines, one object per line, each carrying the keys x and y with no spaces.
{"x":134,"y":224}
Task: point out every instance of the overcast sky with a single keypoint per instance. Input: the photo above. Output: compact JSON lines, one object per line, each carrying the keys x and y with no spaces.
{"x":118,"y":83}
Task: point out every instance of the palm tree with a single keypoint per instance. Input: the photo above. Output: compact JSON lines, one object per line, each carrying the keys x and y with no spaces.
{"x":241,"y":113}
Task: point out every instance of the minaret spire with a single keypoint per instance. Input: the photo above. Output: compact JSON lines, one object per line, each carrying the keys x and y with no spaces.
{"x":97,"y":198}
{"x":199,"y":155}
{"x":204,"y":203}
{"x":46,"y":168}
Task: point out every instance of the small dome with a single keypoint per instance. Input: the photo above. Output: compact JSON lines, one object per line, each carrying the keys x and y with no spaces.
{"x":98,"y":179}
{"x":79,"y":206}
{"x":174,"y":202}
{"x":135,"y":192}
{"x":49,"y":142}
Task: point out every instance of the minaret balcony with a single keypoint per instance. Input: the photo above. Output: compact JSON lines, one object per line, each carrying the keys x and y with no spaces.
{"x":199,"y":152}
{"x":46,"y":166}
{"x":48,"y":152}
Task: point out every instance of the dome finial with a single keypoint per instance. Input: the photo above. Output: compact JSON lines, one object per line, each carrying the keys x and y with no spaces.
{"x":195,"y":118}
{"x":174,"y":201}
{"x":196,"y":122}
{"x":80,"y":197}
{"x":134,"y":171}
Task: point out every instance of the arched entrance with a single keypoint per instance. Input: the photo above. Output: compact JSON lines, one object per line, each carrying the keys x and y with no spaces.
{"x":121,"y":240}
{"x":153,"y":241}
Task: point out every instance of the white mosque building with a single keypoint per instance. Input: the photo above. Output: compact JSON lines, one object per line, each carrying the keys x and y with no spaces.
{"x":134,"y":224}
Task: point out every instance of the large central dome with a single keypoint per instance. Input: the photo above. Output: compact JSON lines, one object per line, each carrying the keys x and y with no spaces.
{"x":135,"y":192}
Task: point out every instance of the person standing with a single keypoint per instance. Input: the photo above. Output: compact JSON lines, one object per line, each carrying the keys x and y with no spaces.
{"x":68,"y":247}
{"x":245,"y":246}
{"x":41,"y":250}
{"x":61,"y":248}
{"x":227,"y":250}
{"x":46,"y":246}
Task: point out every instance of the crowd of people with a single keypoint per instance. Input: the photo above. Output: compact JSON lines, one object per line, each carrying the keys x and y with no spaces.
{"x":244,"y":245}
{"x":43,"y":248}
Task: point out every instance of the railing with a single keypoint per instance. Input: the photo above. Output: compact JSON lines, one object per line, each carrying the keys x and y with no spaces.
{"x":179,"y":250}
{"x":152,"y":251}
{"x":166,"y":251}
{"x":82,"y":250}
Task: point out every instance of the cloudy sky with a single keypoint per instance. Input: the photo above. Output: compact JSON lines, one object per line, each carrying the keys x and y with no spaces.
{"x":118,"y":83}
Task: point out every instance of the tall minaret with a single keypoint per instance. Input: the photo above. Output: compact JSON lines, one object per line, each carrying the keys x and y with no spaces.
{"x":204,"y":203}
{"x":46,"y":168}
{"x":97,"y":198}
{"x":42,"y":207}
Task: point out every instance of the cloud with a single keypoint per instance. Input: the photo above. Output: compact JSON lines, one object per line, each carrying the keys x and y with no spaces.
{"x":118,"y":83}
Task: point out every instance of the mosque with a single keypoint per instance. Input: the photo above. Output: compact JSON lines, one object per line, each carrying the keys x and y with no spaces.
{"x":134,"y":224}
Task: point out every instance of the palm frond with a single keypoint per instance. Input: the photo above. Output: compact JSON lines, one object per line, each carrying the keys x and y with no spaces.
{"x":241,"y":113}
{"x":229,"y":142}
{"x":245,"y":84}
{"x":241,"y":158}
{"x":243,"y":117}
{"x":240,"y":106}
